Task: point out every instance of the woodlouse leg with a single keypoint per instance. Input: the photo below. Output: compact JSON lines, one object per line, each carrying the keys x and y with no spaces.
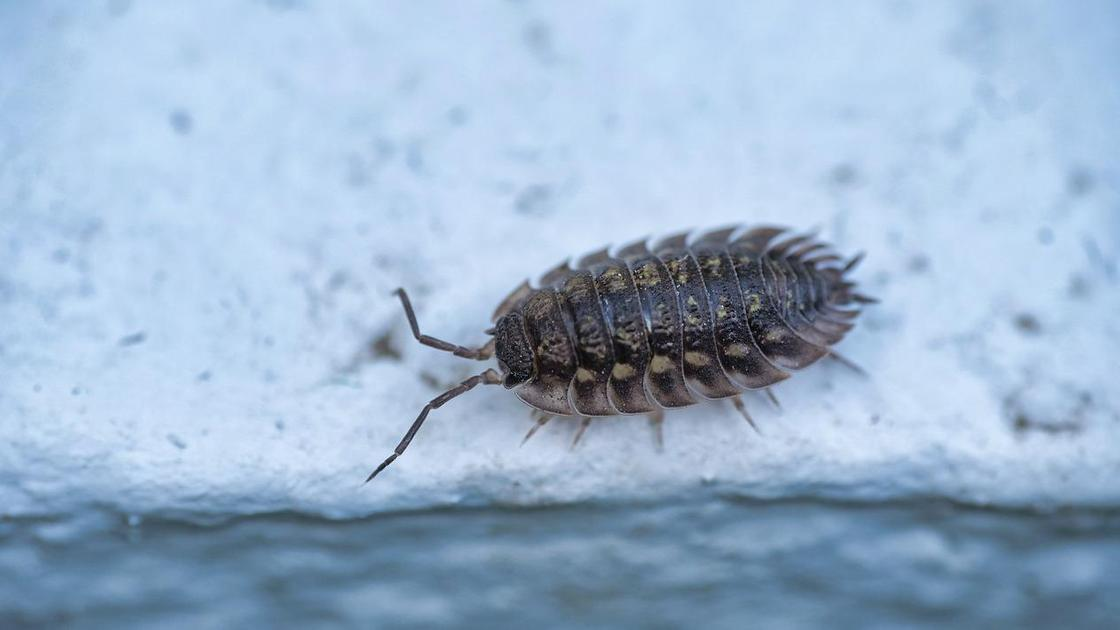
{"x":541,"y":420}
{"x":848,"y":363}
{"x":742,"y":409}
{"x":584,"y":423}
{"x":773,"y":399}
{"x":481,"y":354}
{"x":657,"y":422}
{"x":489,"y":377}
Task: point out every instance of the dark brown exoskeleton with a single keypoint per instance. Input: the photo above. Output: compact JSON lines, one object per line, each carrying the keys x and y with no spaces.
{"x":644,"y":328}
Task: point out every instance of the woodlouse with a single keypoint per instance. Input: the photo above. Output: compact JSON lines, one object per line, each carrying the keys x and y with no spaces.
{"x":645,"y":328}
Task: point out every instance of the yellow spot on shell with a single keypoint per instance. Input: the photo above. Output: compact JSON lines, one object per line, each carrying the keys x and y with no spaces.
{"x":775,"y":335}
{"x":693,"y":320}
{"x":622,"y":371}
{"x":721,"y":312}
{"x":692,"y":303}
{"x":584,"y":375}
{"x":754,"y":303}
{"x":612,"y":280}
{"x":660,"y":364}
{"x":738,"y":350}
{"x":698,"y":359}
{"x":599,"y":351}
{"x":647,"y":276}
{"x":678,"y":271}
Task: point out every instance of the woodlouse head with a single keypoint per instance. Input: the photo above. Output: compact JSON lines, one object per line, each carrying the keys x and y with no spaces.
{"x":513,"y":350}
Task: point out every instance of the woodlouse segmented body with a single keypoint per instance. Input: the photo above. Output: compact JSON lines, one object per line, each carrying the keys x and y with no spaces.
{"x":644,"y":328}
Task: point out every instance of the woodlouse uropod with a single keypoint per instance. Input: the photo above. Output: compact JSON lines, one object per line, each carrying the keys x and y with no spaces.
{"x":643,"y":328}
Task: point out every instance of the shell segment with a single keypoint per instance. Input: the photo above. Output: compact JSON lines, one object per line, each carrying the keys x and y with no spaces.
{"x":623,"y":310}
{"x":774,"y":336}
{"x":594,"y":349}
{"x":665,"y":377}
{"x":740,"y":356}
{"x":784,"y":291}
{"x":555,"y":356}
{"x":702,"y":369}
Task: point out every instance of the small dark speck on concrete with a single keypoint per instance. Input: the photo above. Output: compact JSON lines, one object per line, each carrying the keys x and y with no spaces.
{"x":284,"y":5}
{"x":843,"y":175}
{"x":337,"y":280}
{"x":176,"y":441}
{"x":1098,"y":259}
{"x":1023,"y":423}
{"x":538,"y":39}
{"x":74,"y":391}
{"x":535,"y":200}
{"x":918,"y":263}
{"x":1079,"y":181}
{"x":875,"y":419}
{"x":279,"y":424}
{"x":133,"y":339}
{"x":430,"y":380}
{"x":1078,"y":287}
{"x":1045,"y":235}
{"x":383,"y":150}
{"x":60,"y":255}
{"x":118,"y":8}
{"x":1027,"y":324}
{"x":383,"y":347}
{"x":414,"y":157}
{"x":181,"y":121}
{"x":203,"y":376}
{"x":36,"y":388}
{"x":458,"y":116}
{"x":357,"y":171}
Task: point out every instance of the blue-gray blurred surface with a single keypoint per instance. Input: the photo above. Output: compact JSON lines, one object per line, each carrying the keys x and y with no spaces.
{"x":720,"y":563}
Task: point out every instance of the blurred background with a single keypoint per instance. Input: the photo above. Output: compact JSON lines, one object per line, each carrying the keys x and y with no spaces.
{"x":204,"y":207}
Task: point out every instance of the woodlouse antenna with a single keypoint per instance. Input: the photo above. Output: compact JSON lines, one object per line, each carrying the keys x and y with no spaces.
{"x":480,"y":354}
{"x":489,"y":377}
